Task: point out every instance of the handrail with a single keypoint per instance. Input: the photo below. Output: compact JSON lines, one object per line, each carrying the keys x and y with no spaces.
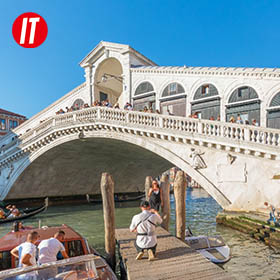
{"x":250,"y":134}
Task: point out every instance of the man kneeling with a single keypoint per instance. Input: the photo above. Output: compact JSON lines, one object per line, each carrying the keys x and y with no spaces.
{"x":145,"y":224}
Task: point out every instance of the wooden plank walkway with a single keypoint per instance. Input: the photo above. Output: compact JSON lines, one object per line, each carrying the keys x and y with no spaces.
{"x":175,"y":260}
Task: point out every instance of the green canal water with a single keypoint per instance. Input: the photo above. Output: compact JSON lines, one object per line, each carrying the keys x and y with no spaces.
{"x":250,"y":259}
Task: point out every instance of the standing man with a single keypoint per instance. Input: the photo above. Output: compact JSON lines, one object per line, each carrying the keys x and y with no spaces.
{"x":48,"y":250}
{"x":145,"y":224}
{"x":26,"y":253}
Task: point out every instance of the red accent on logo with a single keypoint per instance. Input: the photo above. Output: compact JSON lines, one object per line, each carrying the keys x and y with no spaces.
{"x":30,"y":30}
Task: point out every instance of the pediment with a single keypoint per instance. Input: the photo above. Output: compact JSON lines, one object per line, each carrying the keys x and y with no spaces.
{"x":103,"y":47}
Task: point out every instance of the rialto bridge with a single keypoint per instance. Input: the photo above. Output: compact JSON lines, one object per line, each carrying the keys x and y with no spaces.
{"x":64,"y":155}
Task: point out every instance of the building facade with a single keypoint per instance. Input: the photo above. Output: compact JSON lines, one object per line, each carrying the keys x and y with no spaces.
{"x":120,"y":74}
{"x":216,"y":93}
{"x":9,"y":121}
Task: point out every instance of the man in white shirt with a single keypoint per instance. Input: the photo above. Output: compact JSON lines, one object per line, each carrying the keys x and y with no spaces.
{"x":26,"y":253}
{"x":48,"y":250}
{"x":145,"y":224}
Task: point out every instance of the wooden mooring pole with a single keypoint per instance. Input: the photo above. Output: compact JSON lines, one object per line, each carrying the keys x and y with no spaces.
{"x":107,"y":191}
{"x":165,"y":187}
{"x":180,"y":200}
{"x":148,"y":184}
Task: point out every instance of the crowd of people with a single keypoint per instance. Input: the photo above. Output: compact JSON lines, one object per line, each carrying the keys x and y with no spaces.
{"x":149,"y":109}
{"x":239,"y":120}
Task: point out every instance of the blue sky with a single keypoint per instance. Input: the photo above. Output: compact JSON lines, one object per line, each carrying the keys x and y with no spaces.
{"x":243,"y":33}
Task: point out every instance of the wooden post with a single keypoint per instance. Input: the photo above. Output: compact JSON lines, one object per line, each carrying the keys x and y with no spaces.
{"x":148,"y":184}
{"x":180,"y":199}
{"x":165,"y":188}
{"x":107,"y":191}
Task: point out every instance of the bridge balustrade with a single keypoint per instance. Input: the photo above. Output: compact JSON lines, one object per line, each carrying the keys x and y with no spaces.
{"x":236,"y":132}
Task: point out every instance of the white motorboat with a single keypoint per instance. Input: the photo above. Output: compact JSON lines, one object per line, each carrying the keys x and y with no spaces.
{"x":211,"y":247}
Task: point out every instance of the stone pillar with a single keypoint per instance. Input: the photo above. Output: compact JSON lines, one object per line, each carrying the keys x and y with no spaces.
{"x":148,"y":184}
{"x":165,"y":188}
{"x":180,"y":200}
{"x":107,"y":191}
{"x":89,"y":81}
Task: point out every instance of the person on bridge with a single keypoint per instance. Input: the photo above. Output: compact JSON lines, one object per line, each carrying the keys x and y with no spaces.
{"x":145,"y":224}
{"x":26,"y":253}
{"x":155,"y":196}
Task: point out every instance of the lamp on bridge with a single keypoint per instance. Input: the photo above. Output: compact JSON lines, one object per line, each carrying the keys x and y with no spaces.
{"x":107,"y":77}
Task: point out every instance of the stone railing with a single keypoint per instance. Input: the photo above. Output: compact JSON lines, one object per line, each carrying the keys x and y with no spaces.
{"x":211,"y":129}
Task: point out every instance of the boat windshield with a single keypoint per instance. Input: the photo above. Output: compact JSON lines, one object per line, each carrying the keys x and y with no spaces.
{"x":197,"y":243}
{"x":82,"y":267}
{"x":216,"y":241}
{"x":204,"y":242}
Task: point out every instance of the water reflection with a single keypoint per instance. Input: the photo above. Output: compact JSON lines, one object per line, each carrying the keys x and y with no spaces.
{"x":250,"y":259}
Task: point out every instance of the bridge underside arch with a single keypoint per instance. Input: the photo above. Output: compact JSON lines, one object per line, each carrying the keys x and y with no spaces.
{"x":72,"y":166}
{"x":75,"y":167}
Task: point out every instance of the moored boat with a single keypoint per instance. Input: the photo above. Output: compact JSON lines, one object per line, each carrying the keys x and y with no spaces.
{"x":211,"y":247}
{"x":75,"y":246}
{"x":118,"y":198}
{"x":76,"y":268}
{"x":26,"y":214}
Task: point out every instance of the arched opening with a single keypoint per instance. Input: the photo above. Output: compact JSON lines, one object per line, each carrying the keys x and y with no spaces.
{"x":71,"y":166}
{"x":144,"y":96}
{"x":108,"y":81}
{"x":244,"y":105}
{"x":78,"y":104}
{"x":273,"y":112}
{"x":206,"y":102}
{"x":173,"y":100}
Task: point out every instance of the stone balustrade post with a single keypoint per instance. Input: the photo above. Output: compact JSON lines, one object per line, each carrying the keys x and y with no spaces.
{"x":127,"y":118}
{"x":247,"y":134}
{"x":98,"y":113}
{"x":160,"y":121}
{"x":53,"y":122}
{"x":199,"y":127}
{"x":75,"y":117}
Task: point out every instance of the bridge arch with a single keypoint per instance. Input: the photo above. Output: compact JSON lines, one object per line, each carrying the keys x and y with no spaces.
{"x":108,"y":80}
{"x":139,"y":142}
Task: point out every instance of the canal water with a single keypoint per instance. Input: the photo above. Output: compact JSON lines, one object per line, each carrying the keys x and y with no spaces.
{"x":251,"y":259}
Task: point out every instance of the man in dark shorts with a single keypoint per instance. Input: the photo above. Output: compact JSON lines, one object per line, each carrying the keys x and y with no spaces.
{"x":145,"y":224}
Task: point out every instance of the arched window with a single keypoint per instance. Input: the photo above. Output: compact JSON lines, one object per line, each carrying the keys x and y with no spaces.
{"x":243,"y":94}
{"x":275,"y":100}
{"x":273,"y":114}
{"x":78,"y":103}
{"x":204,"y":91}
{"x":206,"y":103}
{"x":173,"y":100}
{"x":244,"y":104}
{"x":144,"y":88}
{"x":144,"y":97}
{"x":172,"y":89}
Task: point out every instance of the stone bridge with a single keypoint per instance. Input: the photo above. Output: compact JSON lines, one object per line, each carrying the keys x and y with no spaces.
{"x":238,"y":165}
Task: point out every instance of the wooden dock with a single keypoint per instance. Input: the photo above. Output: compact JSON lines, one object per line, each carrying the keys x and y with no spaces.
{"x":175,"y":260}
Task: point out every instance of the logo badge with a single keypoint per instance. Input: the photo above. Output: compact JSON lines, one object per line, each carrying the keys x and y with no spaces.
{"x":30,"y":30}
